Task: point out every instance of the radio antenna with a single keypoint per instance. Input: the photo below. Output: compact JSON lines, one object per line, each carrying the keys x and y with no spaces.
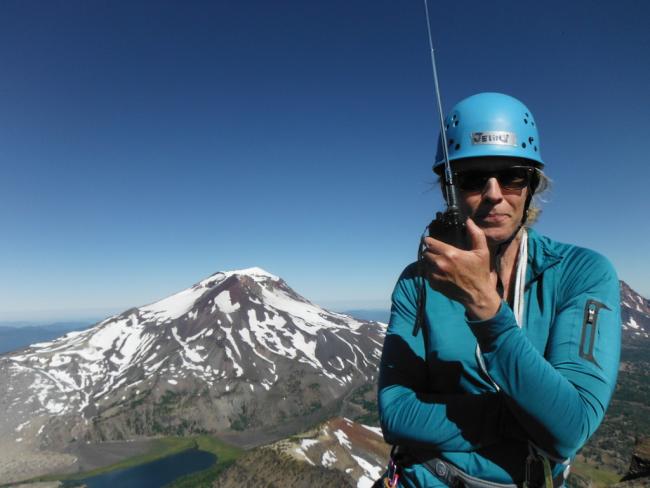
{"x":450,"y":190}
{"x":449,"y":224}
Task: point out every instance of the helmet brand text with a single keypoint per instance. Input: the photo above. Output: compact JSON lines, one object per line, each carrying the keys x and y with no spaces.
{"x":498,"y":137}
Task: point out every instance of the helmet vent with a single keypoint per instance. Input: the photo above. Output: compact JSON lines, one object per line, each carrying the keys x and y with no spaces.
{"x":457,"y":147}
{"x":535,"y":148}
{"x":451,"y":141}
{"x":523,"y":144}
{"x":525,"y":121}
{"x":455,"y":123}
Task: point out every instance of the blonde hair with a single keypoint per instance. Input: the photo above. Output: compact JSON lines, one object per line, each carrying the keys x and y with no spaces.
{"x":535,"y":209}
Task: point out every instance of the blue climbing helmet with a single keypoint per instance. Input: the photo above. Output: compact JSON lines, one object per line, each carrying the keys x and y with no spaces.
{"x":490,"y":124}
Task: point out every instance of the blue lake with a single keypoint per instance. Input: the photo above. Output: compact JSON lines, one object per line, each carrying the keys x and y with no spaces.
{"x":156,"y":473}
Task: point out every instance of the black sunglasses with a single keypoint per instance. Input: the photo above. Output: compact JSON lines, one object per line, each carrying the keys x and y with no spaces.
{"x":512,"y":178}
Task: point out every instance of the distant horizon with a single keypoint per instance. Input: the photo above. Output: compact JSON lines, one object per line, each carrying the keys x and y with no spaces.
{"x":83,"y":315}
{"x":81,"y":318}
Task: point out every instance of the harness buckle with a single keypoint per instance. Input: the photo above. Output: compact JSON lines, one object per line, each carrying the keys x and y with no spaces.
{"x":538,"y":472}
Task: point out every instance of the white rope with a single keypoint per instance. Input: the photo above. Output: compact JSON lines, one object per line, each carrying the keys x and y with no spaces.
{"x":520,"y":279}
{"x":518,"y":305}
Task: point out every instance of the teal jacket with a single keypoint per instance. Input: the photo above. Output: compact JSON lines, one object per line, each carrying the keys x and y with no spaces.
{"x":555,"y":375}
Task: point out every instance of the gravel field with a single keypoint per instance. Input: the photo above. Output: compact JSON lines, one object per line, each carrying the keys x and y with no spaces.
{"x":91,"y":456}
{"x":19,"y":463}
{"x":38,"y":484}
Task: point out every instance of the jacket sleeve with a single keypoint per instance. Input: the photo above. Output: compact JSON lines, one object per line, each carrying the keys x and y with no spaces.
{"x":412,"y":415}
{"x":560,"y":398}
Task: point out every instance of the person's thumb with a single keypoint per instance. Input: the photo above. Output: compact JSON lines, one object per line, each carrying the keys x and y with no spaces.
{"x":476,"y":235}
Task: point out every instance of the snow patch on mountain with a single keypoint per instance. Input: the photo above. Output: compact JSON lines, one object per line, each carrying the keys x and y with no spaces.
{"x":172,"y":307}
{"x":342,"y":438}
{"x":375,"y":430}
{"x":222,"y":302}
{"x":370,"y":472}
{"x":328,"y":459}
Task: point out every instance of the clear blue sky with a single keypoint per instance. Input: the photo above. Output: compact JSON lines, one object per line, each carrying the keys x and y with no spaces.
{"x":146,"y":145}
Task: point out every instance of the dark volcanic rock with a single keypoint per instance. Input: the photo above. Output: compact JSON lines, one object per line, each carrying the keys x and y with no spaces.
{"x":640,"y":464}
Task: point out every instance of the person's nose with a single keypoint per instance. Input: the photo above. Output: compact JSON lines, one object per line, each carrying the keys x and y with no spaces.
{"x":492,"y":190}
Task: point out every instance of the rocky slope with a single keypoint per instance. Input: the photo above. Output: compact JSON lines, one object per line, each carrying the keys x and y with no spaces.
{"x":350,"y":453}
{"x":635,"y":314}
{"x":272,"y":469}
{"x":639,"y":470}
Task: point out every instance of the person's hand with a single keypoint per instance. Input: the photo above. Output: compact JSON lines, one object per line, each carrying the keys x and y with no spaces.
{"x":464,"y":276}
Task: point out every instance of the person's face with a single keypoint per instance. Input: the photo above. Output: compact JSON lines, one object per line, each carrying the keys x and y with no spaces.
{"x":496,"y":208}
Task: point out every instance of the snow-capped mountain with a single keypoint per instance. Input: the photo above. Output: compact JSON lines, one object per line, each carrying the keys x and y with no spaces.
{"x":635,"y":313}
{"x":239,"y":350}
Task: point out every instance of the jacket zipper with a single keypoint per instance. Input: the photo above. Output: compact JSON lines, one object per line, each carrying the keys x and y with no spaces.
{"x":590,"y":329}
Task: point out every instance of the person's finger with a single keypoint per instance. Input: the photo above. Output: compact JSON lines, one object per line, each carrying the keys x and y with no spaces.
{"x":476,"y":235}
{"x":436,"y":246}
{"x":430,"y":258}
{"x":437,"y":263}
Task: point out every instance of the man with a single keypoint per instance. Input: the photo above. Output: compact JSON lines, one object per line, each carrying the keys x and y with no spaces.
{"x":516,"y":359}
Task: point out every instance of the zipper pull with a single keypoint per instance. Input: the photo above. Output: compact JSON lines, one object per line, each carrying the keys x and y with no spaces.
{"x":591,"y":313}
